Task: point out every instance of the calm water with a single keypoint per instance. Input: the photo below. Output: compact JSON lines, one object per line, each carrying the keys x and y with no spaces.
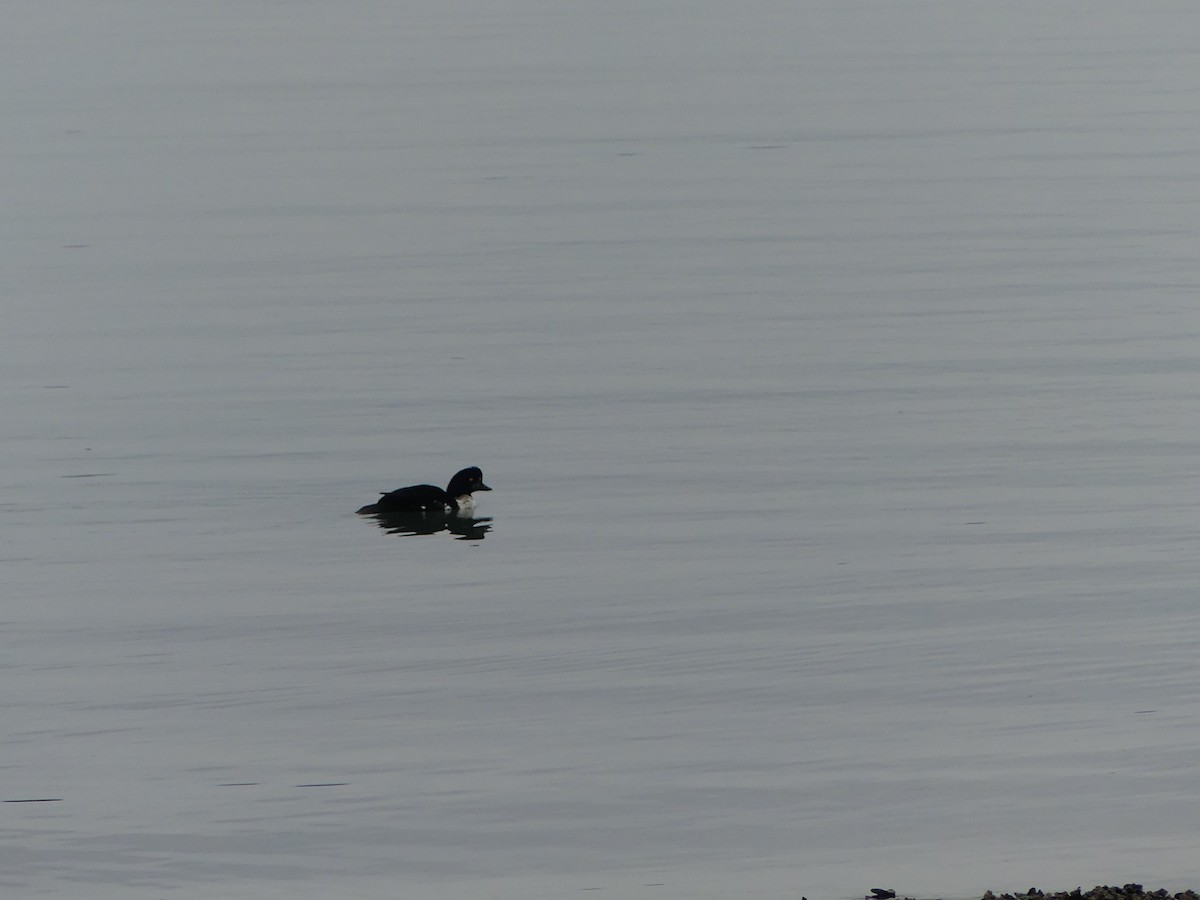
{"x":835,"y":368}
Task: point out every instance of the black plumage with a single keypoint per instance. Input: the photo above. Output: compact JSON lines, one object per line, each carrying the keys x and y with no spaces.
{"x":427,"y":497}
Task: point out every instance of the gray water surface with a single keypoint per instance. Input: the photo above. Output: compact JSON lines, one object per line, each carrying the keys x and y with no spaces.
{"x":835,"y":369}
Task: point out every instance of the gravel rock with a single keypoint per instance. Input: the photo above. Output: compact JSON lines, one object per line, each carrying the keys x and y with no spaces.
{"x":1099,"y":892}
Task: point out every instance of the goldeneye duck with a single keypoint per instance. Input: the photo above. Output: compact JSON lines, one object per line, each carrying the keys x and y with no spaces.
{"x":425,"y":497}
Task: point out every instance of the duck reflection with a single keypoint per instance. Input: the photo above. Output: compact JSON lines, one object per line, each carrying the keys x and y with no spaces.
{"x":464,"y":527}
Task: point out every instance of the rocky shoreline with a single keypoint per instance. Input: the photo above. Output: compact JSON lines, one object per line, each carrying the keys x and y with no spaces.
{"x":1099,"y":892}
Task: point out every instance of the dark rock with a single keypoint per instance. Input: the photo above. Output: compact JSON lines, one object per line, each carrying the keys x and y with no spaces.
{"x":1129,"y":891}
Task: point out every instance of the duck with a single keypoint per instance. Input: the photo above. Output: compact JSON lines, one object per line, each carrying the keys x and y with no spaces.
{"x":428,"y":498}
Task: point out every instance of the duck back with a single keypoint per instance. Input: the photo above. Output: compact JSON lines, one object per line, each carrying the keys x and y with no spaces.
{"x":412,"y":499}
